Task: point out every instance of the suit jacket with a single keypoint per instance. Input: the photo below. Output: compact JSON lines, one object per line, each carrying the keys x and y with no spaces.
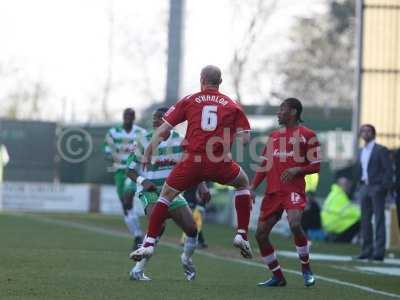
{"x":397,"y":173}
{"x":380,"y":167}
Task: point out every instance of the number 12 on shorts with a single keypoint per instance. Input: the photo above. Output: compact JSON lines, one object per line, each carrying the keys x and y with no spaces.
{"x":209,"y":118}
{"x":295,"y":198}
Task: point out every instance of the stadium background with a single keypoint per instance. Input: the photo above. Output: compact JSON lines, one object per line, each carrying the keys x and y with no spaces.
{"x":37,"y":155}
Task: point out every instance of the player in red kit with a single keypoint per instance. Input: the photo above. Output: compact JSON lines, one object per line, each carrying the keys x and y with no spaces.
{"x":291,"y":152}
{"x":214,"y":120}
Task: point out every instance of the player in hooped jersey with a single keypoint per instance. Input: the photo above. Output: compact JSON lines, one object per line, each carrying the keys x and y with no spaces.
{"x":291,"y":152}
{"x":150,"y":183}
{"x":117,"y":146}
{"x":214,"y":120}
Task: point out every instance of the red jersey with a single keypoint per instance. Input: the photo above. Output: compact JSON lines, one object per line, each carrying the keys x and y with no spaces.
{"x":288,"y":148}
{"x":213,"y":120}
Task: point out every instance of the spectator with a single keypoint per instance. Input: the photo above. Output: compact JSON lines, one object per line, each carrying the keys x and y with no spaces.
{"x":397,"y":182}
{"x":340,"y":217}
{"x":374,"y":175}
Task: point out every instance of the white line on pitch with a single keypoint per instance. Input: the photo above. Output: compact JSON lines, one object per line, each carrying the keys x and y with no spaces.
{"x":111,"y":232}
{"x":334,"y":258}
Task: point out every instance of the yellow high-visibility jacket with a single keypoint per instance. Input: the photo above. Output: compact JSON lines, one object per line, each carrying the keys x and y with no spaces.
{"x":338,"y":212}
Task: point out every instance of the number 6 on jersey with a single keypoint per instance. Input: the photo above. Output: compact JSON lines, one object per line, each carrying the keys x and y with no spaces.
{"x":209,"y":118}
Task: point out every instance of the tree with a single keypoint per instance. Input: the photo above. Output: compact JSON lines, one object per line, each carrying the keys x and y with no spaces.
{"x":21,"y":97}
{"x":142,"y":56}
{"x":261,"y":12}
{"x":107,"y":89}
{"x":25,"y":101}
{"x":319,"y":66}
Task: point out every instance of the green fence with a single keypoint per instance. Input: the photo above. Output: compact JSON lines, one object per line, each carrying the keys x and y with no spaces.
{"x":45,"y":151}
{"x":31,"y":147}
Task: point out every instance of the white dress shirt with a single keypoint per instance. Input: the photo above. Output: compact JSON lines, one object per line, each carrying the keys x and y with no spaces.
{"x":365,"y":156}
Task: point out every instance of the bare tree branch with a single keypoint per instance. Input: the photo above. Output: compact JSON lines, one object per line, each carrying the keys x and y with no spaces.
{"x":263,"y":12}
{"x":109,"y":75}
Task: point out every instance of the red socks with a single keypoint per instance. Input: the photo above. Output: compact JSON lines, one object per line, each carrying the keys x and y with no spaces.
{"x":303,"y":252}
{"x":157,"y":218}
{"x":269,"y":257}
{"x":243,"y":207}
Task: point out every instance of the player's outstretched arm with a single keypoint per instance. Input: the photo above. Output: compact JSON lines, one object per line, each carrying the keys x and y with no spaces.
{"x":290,"y":173}
{"x":261,"y":171}
{"x":161,"y":134}
{"x":147,"y":184}
{"x":311,"y":168}
{"x":259,"y":176}
{"x":313,"y":158}
{"x":133,"y":169}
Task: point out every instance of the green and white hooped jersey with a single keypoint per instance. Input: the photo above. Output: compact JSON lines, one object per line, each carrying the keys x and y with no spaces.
{"x":168,"y":153}
{"x":119,"y":144}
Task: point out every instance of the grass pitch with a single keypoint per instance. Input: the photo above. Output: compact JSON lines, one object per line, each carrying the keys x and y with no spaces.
{"x":86,"y":257}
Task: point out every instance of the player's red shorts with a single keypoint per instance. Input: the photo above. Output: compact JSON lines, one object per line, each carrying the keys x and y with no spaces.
{"x":276,"y":203}
{"x":189,"y":172}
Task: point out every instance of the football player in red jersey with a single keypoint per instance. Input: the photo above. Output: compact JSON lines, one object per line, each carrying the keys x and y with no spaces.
{"x":291,"y":152}
{"x":214,"y":120}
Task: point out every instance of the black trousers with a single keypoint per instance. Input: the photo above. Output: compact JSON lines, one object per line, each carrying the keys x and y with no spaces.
{"x":398,"y":205}
{"x":372,"y":198}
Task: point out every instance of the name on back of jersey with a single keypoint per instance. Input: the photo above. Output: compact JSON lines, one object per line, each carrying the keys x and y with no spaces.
{"x":211,"y":98}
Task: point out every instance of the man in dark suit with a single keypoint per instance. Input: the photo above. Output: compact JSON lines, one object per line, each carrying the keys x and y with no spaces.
{"x":375,"y":177}
{"x":397,"y":182}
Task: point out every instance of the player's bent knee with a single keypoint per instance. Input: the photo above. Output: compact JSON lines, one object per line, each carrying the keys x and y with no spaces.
{"x":241,"y":181}
{"x":192,"y":231}
{"x":127,"y":205}
{"x":244,"y":181}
